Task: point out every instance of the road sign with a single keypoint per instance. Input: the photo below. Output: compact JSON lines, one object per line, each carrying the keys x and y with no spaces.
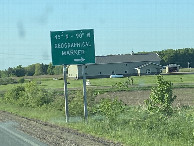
{"x":72,"y":47}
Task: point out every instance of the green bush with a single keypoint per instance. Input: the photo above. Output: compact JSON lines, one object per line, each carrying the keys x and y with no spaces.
{"x":58,"y":102}
{"x":125,"y":84}
{"x":14,"y":94}
{"x":161,"y":97}
{"x":29,"y":95}
{"x":176,"y":128}
{"x":76,"y":106}
{"x":111,"y":109}
{"x":76,"y":103}
{"x":5,"y":81}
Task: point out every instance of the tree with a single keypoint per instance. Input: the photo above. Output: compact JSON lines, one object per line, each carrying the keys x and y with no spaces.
{"x":179,"y":56}
{"x":19,"y":71}
{"x":58,"y":70}
{"x":50,"y":69}
{"x":45,"y":68}
{"x":10,"y":71}
{"x":38,"y":69}
{"x":30,"y":70}
{"x":4,"y":74}
{"x":161,"y":97}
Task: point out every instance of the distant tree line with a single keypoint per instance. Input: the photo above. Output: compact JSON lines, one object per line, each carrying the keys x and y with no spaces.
{"x":183,"y":57}
{"x":31,"y":70}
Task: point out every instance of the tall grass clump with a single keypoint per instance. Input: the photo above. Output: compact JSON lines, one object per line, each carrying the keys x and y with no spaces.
{"x":76,"y":103}
{"x":32,"y":95}
{"x":29,"y":95}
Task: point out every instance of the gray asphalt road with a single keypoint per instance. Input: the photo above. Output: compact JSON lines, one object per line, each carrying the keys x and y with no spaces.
{"x":10,"y":136}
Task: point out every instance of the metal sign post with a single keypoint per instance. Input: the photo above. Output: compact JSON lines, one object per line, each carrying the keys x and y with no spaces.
{"x":84,"y":93}
{"x":65,"y":93}
{"x":73,"y":47}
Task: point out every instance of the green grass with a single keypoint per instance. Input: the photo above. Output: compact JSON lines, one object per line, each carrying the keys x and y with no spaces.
{"x":44,"y":114}
{"x":134,"y":127}
{"x":105,"y":84}
{"x":4,"y":88}
{"x":145,"y":80}
{"x":140,"y":82}
{"x":186,"y":69}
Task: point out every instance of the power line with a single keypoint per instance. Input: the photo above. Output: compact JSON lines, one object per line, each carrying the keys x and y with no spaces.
{"x":24,"y":55}
{"x":16,"y":54}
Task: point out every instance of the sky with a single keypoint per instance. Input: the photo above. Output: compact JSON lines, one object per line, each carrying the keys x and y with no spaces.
{"x":120,"y":26}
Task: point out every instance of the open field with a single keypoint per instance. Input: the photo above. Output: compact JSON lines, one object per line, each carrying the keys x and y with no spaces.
{"x":48,"y":82}
{"x":185,"y":96}
{"x":186,"y":70}
{"x":133,"y":126}
{"x":135,"y":96}
{"x":141,"y":83}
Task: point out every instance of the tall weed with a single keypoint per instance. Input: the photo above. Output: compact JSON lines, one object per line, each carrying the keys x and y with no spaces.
{"x":29,"y":95}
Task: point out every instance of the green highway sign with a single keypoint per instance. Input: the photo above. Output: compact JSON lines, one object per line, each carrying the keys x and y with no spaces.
{"x":72,"y":47}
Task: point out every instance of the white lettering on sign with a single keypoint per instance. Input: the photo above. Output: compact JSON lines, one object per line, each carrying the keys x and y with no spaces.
{"x":88,"y":34}
{"x":73,"y":45}
{"x":73,"y":52}
{"x":79,"y":60}
{"x":66,"y":36}
{"x":79,"y":35}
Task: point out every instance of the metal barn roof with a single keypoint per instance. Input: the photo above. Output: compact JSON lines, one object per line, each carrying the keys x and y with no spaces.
{"x":127,"y":58}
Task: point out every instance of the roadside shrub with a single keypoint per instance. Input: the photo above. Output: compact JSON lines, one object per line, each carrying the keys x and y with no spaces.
{"x":5,"y":81}
{"x":36,"y":96}
{"x":76,"y":103}
{"x":161,"y":97}
{"x":177,"y":127}
{"x":111,"y":109}
{"x":29,"y":95}
{"x":125,"y":84}
{"x":58,"y":102}
{"x":180,"y":126}
{"x":14,"y":94}
{"x":76,"y":106}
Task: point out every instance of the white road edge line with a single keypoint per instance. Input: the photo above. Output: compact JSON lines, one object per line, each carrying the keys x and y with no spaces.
{"x":19,"y":136}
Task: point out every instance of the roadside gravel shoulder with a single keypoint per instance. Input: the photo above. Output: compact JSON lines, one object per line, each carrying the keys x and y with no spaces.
{"x":54,"y":135}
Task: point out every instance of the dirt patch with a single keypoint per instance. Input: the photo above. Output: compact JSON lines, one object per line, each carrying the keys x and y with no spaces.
{"x":128,"y":97}
{"x":185,"y":96}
